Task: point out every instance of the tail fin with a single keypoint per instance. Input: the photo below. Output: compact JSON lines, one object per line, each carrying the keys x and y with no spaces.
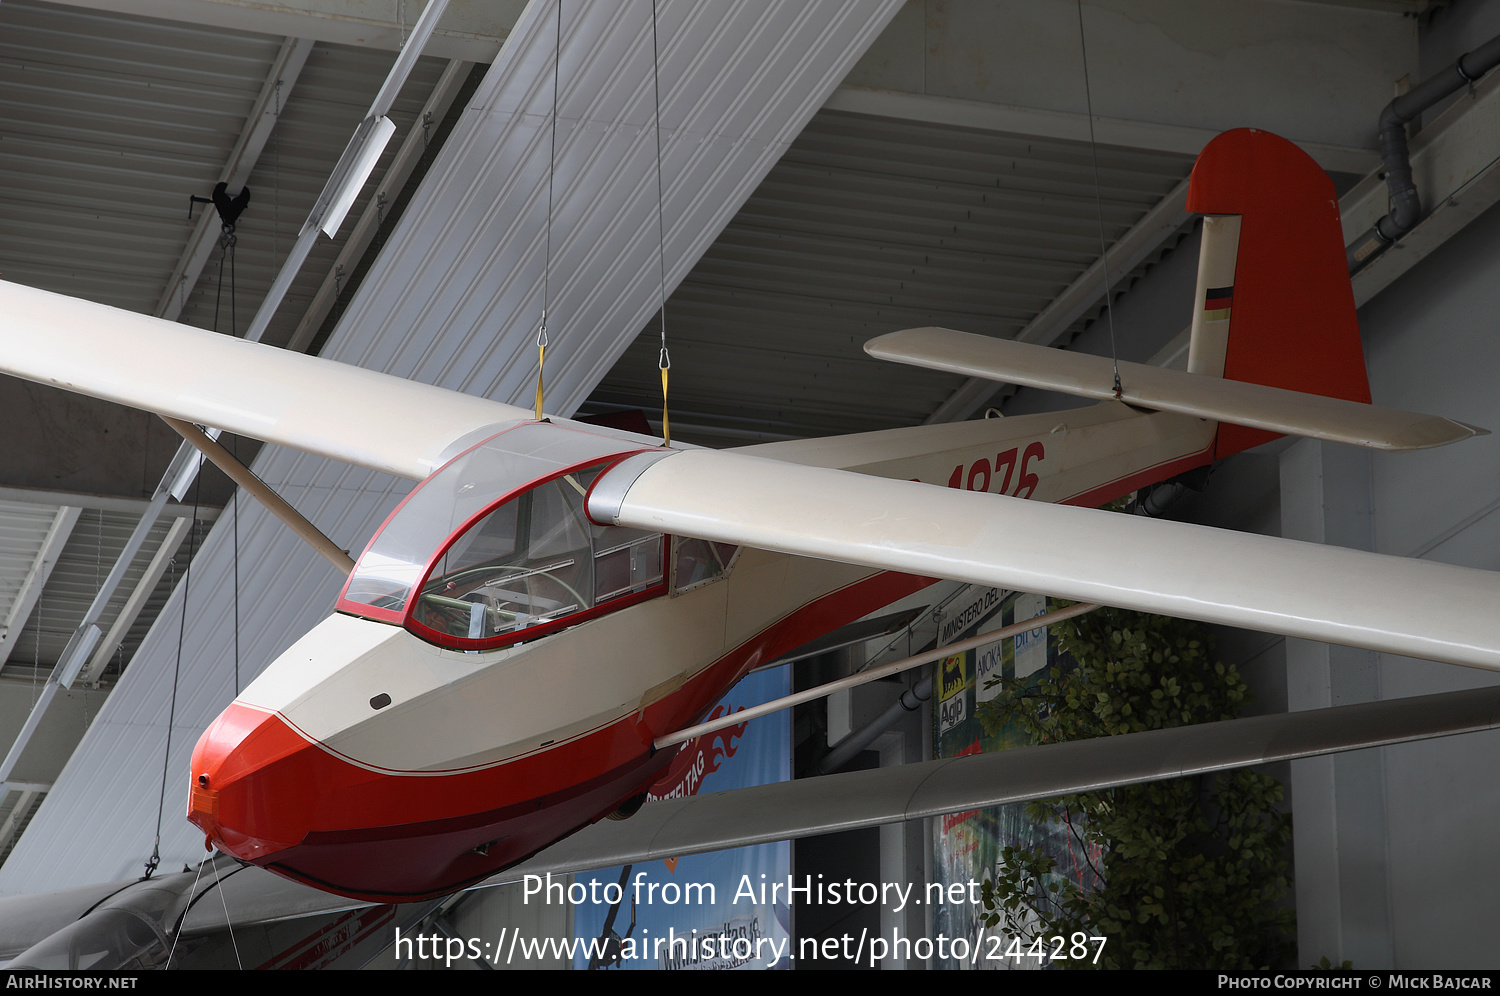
{"x":1274,"y":303}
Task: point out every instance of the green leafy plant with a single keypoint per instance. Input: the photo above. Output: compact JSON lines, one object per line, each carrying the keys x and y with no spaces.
{"x":1187,"y":873}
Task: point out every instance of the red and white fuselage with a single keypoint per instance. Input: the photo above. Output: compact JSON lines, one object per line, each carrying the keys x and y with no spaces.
{"x":525,"y":625}
{"x":371,"y":761}
{"x":520,"y":631}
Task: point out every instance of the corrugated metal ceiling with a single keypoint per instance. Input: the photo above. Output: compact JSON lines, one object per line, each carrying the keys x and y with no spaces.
{"x":865,"y":226}
{"x":95,"y":540}
{"x":110,"y":122}
{"x":412,"y":321}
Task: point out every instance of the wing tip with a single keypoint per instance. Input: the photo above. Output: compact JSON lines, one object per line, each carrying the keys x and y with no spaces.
{"x":1437,"y":430}
{"x":891,"y":345}
{"x":1474,"y":430}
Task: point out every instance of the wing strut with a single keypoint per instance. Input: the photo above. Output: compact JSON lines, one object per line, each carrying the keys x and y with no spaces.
{"x":856,"y":799}
{"x":274,"y":503}
{"x":873,"y":674}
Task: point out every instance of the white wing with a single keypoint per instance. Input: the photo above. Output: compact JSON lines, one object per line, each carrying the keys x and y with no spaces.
{"x":347,"y":413}
{"x":1409,"y":607}
{"x":1412,"y":607}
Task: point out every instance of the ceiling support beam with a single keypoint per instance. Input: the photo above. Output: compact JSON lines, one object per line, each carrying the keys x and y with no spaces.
{"x":36,"y":578}
{"x":1068,"y":125}
{"x":105,"y":503}
{"x":252,"y":141}
{"x":1083,"y":294}
{"x":176,"y":532}
{"x":343,"y":177}
{"x":13,"y":818}
{"x":391,"y":185}
{"x":1165,"y":77}
{"x":362,"y":142}
{"x":474,"y":32}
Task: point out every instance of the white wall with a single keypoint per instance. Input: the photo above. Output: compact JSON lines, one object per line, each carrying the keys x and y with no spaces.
{"x":1431,"y":345}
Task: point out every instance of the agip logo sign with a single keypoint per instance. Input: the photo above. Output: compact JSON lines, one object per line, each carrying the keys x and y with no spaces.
{"x":953,"y":679}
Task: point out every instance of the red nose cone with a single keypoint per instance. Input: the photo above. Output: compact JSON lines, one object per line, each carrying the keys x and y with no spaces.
{"x":267,"y":794}
{"x":238,"y":758}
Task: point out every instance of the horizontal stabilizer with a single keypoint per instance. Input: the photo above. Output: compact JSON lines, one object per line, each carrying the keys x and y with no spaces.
{"x":1159,"y":389}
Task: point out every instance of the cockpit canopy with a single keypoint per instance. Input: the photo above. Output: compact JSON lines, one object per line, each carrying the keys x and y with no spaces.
{"x":497,"y":546}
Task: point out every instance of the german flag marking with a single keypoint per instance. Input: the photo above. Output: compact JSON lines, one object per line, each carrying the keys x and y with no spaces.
{"x":1217,"y":302}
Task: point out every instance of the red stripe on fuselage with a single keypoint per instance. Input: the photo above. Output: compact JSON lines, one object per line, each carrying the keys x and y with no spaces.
{"x":296,"y":807}
{"x":1105,"y":493}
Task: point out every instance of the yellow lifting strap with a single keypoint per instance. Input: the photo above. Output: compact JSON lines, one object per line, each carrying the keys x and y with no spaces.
{"x":541,"y":361}
{"x":666,"y":428}
{"x":541,"y":358}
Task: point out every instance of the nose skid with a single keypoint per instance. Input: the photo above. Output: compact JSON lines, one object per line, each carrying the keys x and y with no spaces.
{"x":203,"y":806}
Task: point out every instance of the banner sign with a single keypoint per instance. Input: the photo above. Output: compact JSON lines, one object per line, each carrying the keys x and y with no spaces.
{"x":967,"y":846}
{"x":702,"y":911}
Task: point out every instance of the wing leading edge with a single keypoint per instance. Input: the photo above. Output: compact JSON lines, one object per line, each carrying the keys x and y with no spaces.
{"x":386,"y":423}
{"x":358,"y":416}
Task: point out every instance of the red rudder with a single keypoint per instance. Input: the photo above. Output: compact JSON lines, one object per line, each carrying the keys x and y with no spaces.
{"x":1293,"y":323}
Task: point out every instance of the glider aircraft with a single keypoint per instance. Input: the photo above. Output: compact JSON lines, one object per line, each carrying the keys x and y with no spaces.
{"x":555,"y":596}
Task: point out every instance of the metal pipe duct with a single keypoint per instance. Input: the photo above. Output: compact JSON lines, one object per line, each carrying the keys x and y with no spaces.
{"x":1406,"y":204}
